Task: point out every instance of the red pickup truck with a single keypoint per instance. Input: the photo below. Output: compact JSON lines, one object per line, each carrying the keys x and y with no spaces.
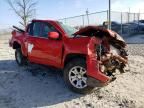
{"x":89,"y":57}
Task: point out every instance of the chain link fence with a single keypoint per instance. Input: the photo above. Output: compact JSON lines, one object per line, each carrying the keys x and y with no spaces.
{"x":96,"y":18}
{"x":124,"y":23}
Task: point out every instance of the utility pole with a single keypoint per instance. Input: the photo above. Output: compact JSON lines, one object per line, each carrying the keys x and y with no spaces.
{"x":129,"y":15}
{"x":87,"y":13}
{"x":109,"y":24}
{"x":138,"y":20}
{"x":139,"y":15}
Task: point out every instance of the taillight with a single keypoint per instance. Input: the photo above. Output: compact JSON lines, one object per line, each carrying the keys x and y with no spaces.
{"x":13,"y":32}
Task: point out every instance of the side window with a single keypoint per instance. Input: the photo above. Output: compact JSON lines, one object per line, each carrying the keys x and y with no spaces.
{"x":46,"y":28}
{"x":36,"y":29}
{"x":40,"y":29}
{"x":30,"y":29}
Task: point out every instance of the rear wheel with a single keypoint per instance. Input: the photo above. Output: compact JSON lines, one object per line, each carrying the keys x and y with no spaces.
{"x":20,"y":59}
{"x":75,"y":76}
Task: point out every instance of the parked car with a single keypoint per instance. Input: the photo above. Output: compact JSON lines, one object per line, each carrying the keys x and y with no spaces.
{"x":130,"y":28}
{"x":140,"y":25}
{"x":115,"y":26}
{"x":88,"y":57}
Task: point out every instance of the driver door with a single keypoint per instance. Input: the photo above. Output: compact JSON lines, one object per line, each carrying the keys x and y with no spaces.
{"x":43,"y":49}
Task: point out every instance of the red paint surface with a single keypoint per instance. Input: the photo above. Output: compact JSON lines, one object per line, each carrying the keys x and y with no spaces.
{"x":54,"y":52}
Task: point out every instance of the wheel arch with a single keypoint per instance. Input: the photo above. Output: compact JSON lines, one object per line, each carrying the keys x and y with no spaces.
{"x":16,"y":45}
{"x":72,"y":56}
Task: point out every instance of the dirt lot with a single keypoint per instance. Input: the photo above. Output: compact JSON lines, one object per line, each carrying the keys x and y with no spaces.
{"x":19,"y":88}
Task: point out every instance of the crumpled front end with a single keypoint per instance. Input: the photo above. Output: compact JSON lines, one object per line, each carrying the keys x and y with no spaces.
{"x":93,"y":65}
{"x":106,"y":53}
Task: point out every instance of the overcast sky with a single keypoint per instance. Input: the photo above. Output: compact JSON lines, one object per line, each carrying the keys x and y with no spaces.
{"x":56,"y":9}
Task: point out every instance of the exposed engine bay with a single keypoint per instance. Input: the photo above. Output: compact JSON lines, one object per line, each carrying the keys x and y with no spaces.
{"x":112,"y":57}
{"x":110,"y":52}
{"x":111,"y":60}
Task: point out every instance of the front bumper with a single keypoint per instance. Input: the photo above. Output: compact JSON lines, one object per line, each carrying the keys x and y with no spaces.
{"x":93,"y":70}
{"x":92,"y":82}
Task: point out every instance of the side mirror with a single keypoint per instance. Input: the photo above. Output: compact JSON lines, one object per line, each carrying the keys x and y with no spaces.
{"x":53,"y":35}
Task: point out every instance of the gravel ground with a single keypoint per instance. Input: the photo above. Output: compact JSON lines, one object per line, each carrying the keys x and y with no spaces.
{"x":136,"y":49}
{"x":21,"y":88}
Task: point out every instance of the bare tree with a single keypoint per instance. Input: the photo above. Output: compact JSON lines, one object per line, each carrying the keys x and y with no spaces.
{"x":25,"y":9}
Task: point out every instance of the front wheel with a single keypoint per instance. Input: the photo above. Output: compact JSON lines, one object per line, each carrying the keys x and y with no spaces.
{"x":75,"y":76}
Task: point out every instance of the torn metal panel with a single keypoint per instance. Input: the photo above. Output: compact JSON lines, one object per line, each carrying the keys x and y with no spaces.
{"x":106,"y":52}
{"x":99,"y":32}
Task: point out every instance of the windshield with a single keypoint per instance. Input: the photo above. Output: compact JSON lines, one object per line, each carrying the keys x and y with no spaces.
{"x":68,"y":29}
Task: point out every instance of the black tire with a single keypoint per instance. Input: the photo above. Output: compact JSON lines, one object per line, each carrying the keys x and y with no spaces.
{"x":20,"y":59}
{"x":73,"y":63}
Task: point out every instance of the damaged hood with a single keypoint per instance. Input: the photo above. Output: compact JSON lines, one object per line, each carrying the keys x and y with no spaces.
{"x":101,"y":32}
